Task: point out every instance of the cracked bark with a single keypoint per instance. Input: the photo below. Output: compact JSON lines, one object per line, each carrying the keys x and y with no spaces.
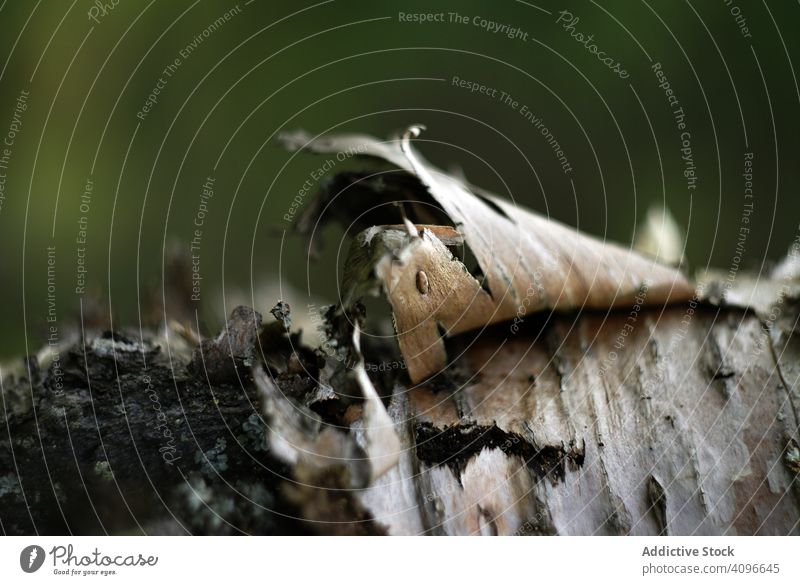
{"x":722,"y":461}
{"x":689,"y":425}
{"x":691,"y":431}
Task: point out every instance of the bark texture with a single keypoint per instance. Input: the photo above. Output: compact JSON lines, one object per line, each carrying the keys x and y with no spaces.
{"x":694,"y":434}
{"x":641,"y":419}
{"x":685,"y":424}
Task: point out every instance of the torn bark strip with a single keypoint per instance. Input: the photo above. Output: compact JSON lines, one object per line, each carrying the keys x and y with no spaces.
{"x":523,"y":262}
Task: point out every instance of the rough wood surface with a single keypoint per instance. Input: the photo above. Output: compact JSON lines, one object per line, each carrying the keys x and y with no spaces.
{"x":689,"y":434}
{"x":685,"y":425}
{"x":679,"y":419}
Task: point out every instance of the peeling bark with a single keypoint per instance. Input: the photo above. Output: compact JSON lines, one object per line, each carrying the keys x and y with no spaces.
{"x":690,"y":429}
{"x":625,"y":419}
{"x":658,"y":444}
{"x":485,"y":261}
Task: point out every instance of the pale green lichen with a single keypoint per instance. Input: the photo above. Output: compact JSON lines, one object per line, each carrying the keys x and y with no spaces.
{"x":102,"y":469}
{"x":8,"y":485}
{"x":215,"y":460}
{"x":256,"y":431}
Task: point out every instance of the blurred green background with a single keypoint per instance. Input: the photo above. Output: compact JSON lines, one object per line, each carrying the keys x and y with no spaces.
{"x":354,"y":66}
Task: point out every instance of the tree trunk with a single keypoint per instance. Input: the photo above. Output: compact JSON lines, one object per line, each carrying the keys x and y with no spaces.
{"x":677,"y":421}
{"x":686,"y":427}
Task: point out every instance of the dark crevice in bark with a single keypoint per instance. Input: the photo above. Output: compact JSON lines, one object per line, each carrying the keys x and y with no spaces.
{"x":455,"y":445}
{"x":657,"y":498}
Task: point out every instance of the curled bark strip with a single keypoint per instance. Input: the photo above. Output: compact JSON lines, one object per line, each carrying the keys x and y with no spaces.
{"x":382,"y":443}
{"x":300,"y":438}
{"x":525,"y":262}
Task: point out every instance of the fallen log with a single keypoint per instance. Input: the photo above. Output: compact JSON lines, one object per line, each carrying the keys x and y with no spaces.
{"x":621,"y":418}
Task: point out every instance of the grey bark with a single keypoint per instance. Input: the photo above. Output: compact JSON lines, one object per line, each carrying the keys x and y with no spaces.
{"x":689,"y":431}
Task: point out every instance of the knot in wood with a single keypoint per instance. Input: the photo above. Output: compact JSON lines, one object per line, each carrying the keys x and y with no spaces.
{"x":422,"y":282}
